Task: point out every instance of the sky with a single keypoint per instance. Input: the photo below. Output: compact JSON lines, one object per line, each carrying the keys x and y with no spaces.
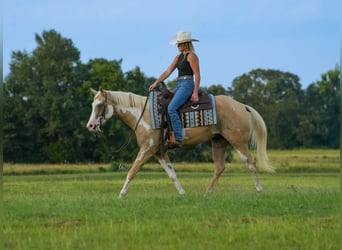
{"x":236,"y":36}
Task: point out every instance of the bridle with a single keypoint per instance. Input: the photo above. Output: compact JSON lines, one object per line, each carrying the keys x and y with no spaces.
{"x":103,"y":114}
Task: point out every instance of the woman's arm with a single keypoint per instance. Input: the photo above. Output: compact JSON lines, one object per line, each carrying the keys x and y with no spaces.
{"x":194,"y":64}
{"x":165,"y":74}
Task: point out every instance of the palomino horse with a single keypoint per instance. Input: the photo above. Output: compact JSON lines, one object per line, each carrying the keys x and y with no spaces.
{"x":237,"y":124}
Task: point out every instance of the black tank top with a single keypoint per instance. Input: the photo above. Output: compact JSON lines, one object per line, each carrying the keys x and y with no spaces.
{"x":183,"y":66}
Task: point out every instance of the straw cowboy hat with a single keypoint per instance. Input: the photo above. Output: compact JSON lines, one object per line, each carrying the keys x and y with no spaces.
{"x":182,"y":37}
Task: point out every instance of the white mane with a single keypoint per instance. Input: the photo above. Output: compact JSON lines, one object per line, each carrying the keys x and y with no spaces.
{"x":126,"y":99}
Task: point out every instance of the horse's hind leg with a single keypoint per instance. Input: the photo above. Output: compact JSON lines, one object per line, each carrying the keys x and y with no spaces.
{"x":219,"y":145}
{"x":247,"y":158}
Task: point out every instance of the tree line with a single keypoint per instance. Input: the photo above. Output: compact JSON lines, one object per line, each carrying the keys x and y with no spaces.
{"x":47,"y":103}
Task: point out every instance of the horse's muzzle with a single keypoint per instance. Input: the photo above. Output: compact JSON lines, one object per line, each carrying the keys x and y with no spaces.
{"x":94,"y":127}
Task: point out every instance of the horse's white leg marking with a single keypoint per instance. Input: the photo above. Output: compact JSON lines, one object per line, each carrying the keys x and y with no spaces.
{"x":146,"y":150}
{"x":242,"y":156}
{"x":172,"y":174}
{"x":143,"y":155}
{"x":252,"y":169}
{"x":124,"y":189}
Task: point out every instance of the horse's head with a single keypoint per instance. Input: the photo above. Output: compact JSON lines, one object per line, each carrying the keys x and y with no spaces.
{"x":102,"y":110}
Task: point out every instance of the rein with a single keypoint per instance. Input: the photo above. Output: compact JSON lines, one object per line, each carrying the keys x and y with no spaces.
{"x":135,"y":128}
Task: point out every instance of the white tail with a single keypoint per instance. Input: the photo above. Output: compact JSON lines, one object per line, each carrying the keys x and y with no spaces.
{"x":258,"y":139}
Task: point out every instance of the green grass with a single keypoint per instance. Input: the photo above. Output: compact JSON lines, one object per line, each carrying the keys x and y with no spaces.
{"x":81,"y":211}
{"x":285,"y":161}
{"x":76,"y":206}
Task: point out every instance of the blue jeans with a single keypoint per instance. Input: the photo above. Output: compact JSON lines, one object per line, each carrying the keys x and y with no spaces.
{"x":182,"y":91}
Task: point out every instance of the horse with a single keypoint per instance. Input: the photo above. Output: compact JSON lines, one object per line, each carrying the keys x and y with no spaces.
{"x":238,"y":124}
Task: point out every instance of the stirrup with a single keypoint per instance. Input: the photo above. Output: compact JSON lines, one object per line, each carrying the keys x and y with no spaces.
{"x":177,"y":144}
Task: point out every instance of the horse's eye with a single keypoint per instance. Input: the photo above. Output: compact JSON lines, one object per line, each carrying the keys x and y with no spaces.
{"x":99,"y":109}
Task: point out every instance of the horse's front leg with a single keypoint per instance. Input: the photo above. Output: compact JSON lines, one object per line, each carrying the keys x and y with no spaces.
{"x":124,"y":189}
{"x":144,"y":154}
{"x":167,"y":166}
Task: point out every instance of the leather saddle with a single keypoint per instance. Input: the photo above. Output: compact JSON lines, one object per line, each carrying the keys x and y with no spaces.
{"x":166,"y":95}
{"x":163,"y":100}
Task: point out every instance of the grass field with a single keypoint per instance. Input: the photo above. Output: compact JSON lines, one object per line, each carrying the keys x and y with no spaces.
{"x":285,"y":161}
{"x":80,"y":210}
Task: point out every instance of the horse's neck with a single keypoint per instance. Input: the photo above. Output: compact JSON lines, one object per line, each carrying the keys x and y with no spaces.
{"x":128,"y":107}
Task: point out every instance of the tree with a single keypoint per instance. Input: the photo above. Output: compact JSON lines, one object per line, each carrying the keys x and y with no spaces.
{"x":47,"y":103}
{"x":105,"y":74}
{"x":216,"y":90}
{"x":17,"y":104}
{"x":137,"y":82}
{"x":329,"y":87}
{"x":277,"y":97}
{"x":42,"y":88}
{"x":319,"y":125}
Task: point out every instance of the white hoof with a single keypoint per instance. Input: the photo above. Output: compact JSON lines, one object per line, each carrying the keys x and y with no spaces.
{"x":181,"y":192}
{"x":259,"y":189}
{"x":121,"y":195}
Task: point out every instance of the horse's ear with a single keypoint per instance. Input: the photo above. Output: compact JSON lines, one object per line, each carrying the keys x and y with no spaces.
{"x":102,"y":92}
{"x":93,"y":91}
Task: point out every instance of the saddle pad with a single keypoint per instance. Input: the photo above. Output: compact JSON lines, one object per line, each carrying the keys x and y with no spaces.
{"x":192,"y":116}
{"x":154,"y":109}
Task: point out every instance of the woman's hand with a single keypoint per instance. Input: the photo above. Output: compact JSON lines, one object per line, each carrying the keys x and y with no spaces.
{"x":153,"y":86}
{"x":194,"y":97}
